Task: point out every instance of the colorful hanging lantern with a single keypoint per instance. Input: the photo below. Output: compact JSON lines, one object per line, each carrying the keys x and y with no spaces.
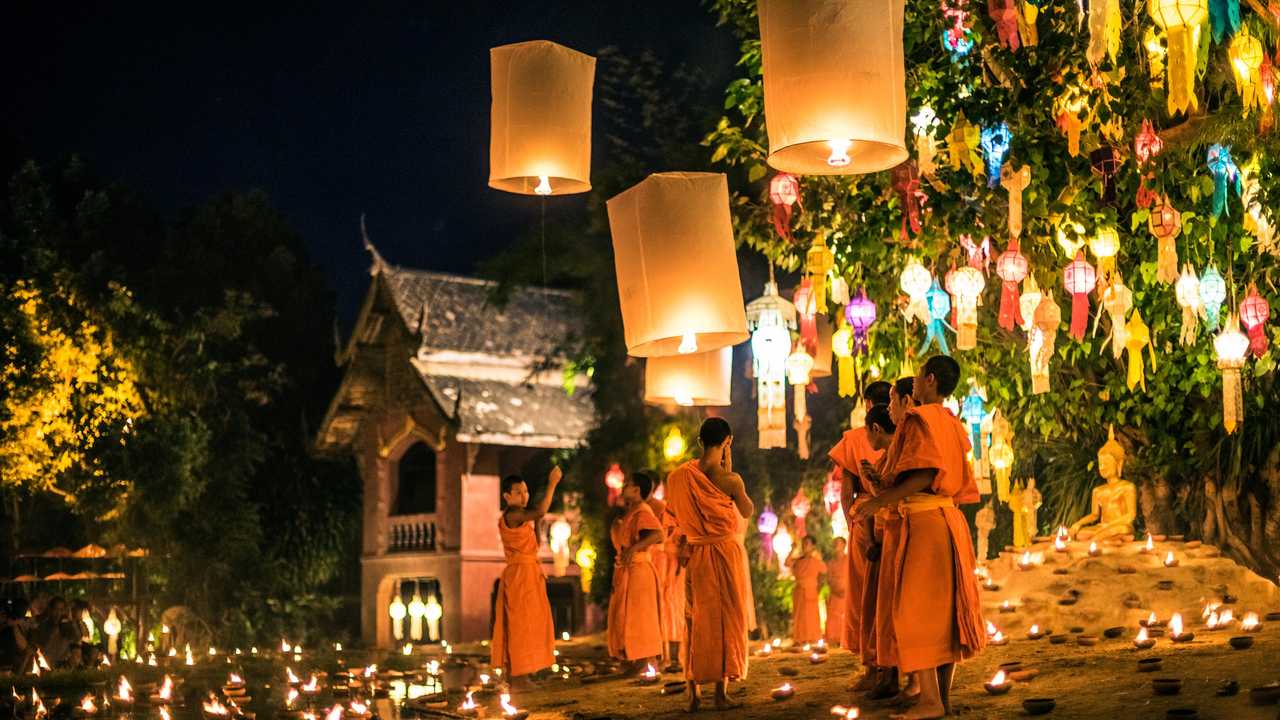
{"x":915,"y":281}
{"x":799,"y":365}
{"x":1105,"y":163}
{"x":540,"y":120}
{"x":1187,"y":291}
{"x":1001,"y":453}
{"x":979,"y":254}
{"x":1117,"y":300}
{"x":995,"y":147}
{"x":939,"y":303}
{"x":784,"y":192}
{"x":1146,"y":144}
{"x":1041,"y":342}
{"x":818,"y":263}
{"x":1138,"y":336}
{"x":957,"y":36}
{"x":1231,"y":346}
{"x":1028,"y":301}
{"x":767,"y":525}
{"x":923,"y":124}
{"x":800,"y":507}
{"x":1079,"y":279}
{"x":969,"y":285}
{"x":1226,"y":177}
{"x":1246,"y":56}
{"x":770,"y":318}
{"x":906,"y":182}
{"x":669,"y":305}
{"x":1104,"y":245}
{"x":1070,"y":117}
{"x":1256,"y":219}
{"x":1015,"y":182}
{"x":831,"y":491}
{"x":1004,"y":13}
{"x":841,"y":111}
{"x":700,"y":379}
{"x":842,"y":348}
{"x":1070,"y":238}
{"x":1254,"y":312}
{"x":963,"y":144}
{"x":1104,"y":31}
{"x":1181,"y":21}
{"x":807,"y":314}
{"x":1213,"y":292}
{"x":614,"y":479}
{"x":839,"y":291}
{"x":973,"y":411}
{"x":782,"y":544}
{"x":674,"y":446}
{"x":1165,"y":222}
{"x":860,"y":313}
{"x":1011,"y":266}
{"x":1224,"y":18}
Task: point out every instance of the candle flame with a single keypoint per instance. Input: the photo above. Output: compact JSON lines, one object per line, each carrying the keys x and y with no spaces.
{"x":213,"y":706}
{"x":1175,"y":625}
{"x":1212,"y":621}
{"x":806,"y":647}
{"x":42,"y":661}
{"x":371,"y":671}
{"x":777,"y":642}
{"x":87,"y":705}
{"x":359,"y":708}
{"x":815,"y":657}
{"x":846,"y":713}
{"x":164,"y":713}
{"x":234,"y":679}
{"x":173,"y":652}
{"x":190,"y":660}
{"x":1209,"y":608}
{"x":313,"y":685}
{"x":998,"y":637}
{"x":1059,"y":544}
{"x":1093,"y":547}
{"x":1226,"y":616}
{"x":469,"y":703}
{"x":285,"y":646}
{"x":1026,"y":558}
{"x":151,"y":660}
{"x":1250,"y":621}
{"x":106,"y":662}
{"x":124,"y":691}
{"x":1152,"y":619}
{"x":166,"y":689}
{"x":1169,"y":560}
{"x":293,"y":679}
{"x":544,"y":185}
{"x":484,"y":678}
{"x":998,"y":678}
{"x":1035,"y":630}
{"x":1150,"y":544}
{"x":1142,"y":636}
{"x":991,"y":628}
{"x":785,"y":687}
{"x":768,"y":648}
{"x":650,"y":671}
{"x":1062,"y":532}
{"x":507,"y":708}
{"x":335,"y":713}
{"x":839,"y":152}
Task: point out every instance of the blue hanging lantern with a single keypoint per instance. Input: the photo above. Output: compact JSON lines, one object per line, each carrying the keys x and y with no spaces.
{"x":1224,"y":17}
{"x":1226,"y":177}
{"x":939,"y":302}
{"x":958,"y":42}
{"x":995,"y":145}
{"x":973,"y":411}
{"x":1213,"y":292}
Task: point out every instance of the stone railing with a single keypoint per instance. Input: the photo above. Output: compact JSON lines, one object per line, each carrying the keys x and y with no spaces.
{"x":411,"y":533}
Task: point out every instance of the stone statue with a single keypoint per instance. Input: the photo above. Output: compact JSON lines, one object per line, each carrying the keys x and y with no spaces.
{"x":1031,"y":502}
{"x":985,"y":521}
{"x":1114,"y":505}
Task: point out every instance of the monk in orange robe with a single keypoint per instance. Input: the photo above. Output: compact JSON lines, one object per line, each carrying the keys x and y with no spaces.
{"x":808,"y":568}
{"x":937,"y":617}
{"x":708,"y":499}
{"x":635,"y":608}
{"x":882,"y":673}
{"x":837,"y":593}
{"x":666,"y":560}
{"x":523,"y":633}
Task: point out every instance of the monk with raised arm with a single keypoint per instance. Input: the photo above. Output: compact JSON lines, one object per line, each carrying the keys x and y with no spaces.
{"x":635,"y":608}
{"x":666,"y":560}
{"x":937,"y":617}
{"x":523,"y":634}
{"x":708,"y":499}
{"x":808,"y":568}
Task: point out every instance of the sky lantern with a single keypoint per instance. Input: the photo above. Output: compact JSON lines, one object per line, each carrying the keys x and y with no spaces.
{"x":540,"y":120}
{"x":770,"y":318}
{"x":969,"y":284}
{"x":1232,"y":347}
{"x":1012,"y":267}
{"x":834,"y":85}
{"x":1254,"y":312}
{"x":699,"y":379}
{"x":1079,"y":278}
{"x":670,"y":303}
{"x":1181,"y":21}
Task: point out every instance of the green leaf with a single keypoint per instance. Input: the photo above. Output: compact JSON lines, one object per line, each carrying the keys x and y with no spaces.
{"x":755,"y":172}
{"x":719,"y":154}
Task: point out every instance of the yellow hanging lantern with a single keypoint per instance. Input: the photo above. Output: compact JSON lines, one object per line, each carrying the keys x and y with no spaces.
{"x":818,"y":262}
{"x":1138,"y":336}
{"x":1041,"y":342}
{"x":674,"y":445}
{"x":968,"y":284}
{"x":1187,"y":292}
{"x":1104,"y":245}
{"x":799,"y":365}
{"x":670,"y":305}
{"x":699,"y":379}
{"x":1181,"y":21}
{"x":1028,"y":301}
{"x":1001,"y":453}
{"x":540,"y":122}
{"x":842,"y":348}
{"x":1104,"y":31}
{"x":1153,"y":42}
{"x":1246,"y":56}
{"x":834,"y":85}
{"x":1070,"y":242}
{"x":1232,"y":347}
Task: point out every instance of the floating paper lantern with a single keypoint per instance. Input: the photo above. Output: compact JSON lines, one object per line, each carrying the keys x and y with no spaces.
{"x":1079,"y":279}
{"x":799,"y":365}
{"x":770,"y":318}
{"x":915,"y":281}
{"x":1138,"y":336}
{"x":1231,"y":346}
{"x":784,"y":191}
{"x":834,"y":85}
{"x":1254,"y":312}
{"x":1213,"y":291}
{"x":1011,"y":266}
{"x":1028,"y":301}
{"x":1165,"y":222}
{"x":1041,"y":342}
{"x":1246,"y":56}
{"x":1187,"y":292}
{"x":939,"y":307}
{"x":969,"y":284}
{"x":671,"y":305}
{"x":689,"y":380}
{"x":540,"y":122}
{"x":1181,"y":21}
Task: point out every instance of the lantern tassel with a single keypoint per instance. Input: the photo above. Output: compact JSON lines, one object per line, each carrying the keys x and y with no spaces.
{"x":936,"y":334}
{"x":1232,"y":400}
{"x":1079,"y":315}
{"x":1182,"y":70}
{"x":1224,"y":17}
{"x":848,"y":378}
{"x":1167,"y":260}
{"x":1137,"y":374}
{"x":1190,"y":326}
{"x":1010,"y":308}
{"x":801,"y":422}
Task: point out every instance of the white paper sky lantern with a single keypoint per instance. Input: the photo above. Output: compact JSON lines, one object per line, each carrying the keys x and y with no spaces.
{"x":676,"y":266}
{"x":689,"y":380}
{"x":834,"y":85}
{"x":540,"y":122}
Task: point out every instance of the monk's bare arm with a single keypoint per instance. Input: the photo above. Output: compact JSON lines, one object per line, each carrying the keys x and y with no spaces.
{"x":913,"y":482}
{"x":846,"y":488}
{"x":647,"y":538}
{"x":519,"y":516}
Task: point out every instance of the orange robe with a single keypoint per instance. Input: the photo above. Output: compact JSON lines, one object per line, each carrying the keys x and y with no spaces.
{"x":523,"y":633}
{"x":848,"y":454}
{"x":806,"y":623}
{"x":748,"y":593}
{"x":635,"y":608}
{"x":670,"y":575}
{"x":716,"y":625}
{"x":873,"y":622}
{"x":937,"y":617}
{"x":837,"y":599}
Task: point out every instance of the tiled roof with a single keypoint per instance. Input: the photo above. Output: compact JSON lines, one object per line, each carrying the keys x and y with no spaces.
{"x":524,"y":414}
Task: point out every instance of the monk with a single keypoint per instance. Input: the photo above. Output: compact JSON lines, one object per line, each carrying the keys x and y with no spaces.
{"x":837,"y":593}
{"x":808,"y":568}
{"x":937,"y":618}
{"x":523,"y":634}
{"x":671,"y":578}
{"x":708,"y":500}
{"x":635,"y":608}
{"x":848,"y":456}
{"x":883,"y":675}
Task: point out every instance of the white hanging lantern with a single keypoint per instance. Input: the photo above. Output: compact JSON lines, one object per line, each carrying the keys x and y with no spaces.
{"x":771,"y":318}
{"x":417,"y":611}
{"x":799,"y":366}
{"x":1232,"y":347}
{"x":397,"y":611}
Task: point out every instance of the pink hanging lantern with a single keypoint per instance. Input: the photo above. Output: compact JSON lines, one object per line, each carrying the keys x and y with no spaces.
{"x":1012,"y":268}
{"x":614,"y":479}
{"x":807,"y":311}
{"x":831,"y":491}
{"x":800,"y":508}
{"x":1254,"y":312}
{"x":767,"y":525}
{"x":784,"y":192}
{"x":861,"y":314}
{"x":1079,"y":278}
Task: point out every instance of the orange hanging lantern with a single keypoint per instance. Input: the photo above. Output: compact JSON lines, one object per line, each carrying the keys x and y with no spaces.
{"x":1012,"y":268}
{"x":969,"y":285}
{"x":540,"y":121}
{"x":834,"y":85}
{"x":1165,"y":222}
{"x":1041,"y":341}
{"x":669,"y":304}
{"x":697,"y":379}
{"x":1079,"y":279}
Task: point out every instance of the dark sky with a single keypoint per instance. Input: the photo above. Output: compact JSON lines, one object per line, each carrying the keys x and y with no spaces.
{"x":333,"y":109}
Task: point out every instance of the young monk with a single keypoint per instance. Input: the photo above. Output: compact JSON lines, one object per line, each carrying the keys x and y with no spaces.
{"x":808,"y":568}
{"x":880,"y":429}
{"x":635,"y":608}
{"x":708,"y":499}
{"x":523,"y":634}
{"x":671,"y":578}
{"x":837,"y":593}
{"x":937,"y":618}
{"x":848,"y":456}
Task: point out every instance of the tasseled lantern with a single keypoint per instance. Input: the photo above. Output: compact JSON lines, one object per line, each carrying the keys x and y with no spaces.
{"x":1246,"y":56}
{"x":540,"y":120}
{"x":770,"y":318}
{"x":1042,"y":341}
{"x":860,"y":314}
{"x":1138,"y":336}
{"x":1231,"y":346}
{"x":1068,"y":109}
{"x":767,"y":525}
{"x":1146,"y":145}
{"x":1105,"y":163}
{"x":1224,"y":18}
{"x":1071,"y":238}
{"x":1117,"y":300}
{"x":1014,"y":182}
{"x":1011,"y":266}
{"x":1187,"y":291}
{"x":1028,"y":301}
{"x":799,"y":365}
{"x":915,"y":281}
{"x":1226,"y":177}
{"x":834,"y":85}
{"x":963,"y":145}
{"x":1213,"y":292}
{"x":1104,"y":245}
{"x":1165,"y":222}
{"x":995,"y":148}
{"x":939,"y":303}
{"x":1004,"y":13}
{"x":1254,"y":312}
{"x":973,"y":411}
{"x":923,"y":124}
{"x":689,"y":380}
{"x":906,"y":182}
{"x":839,"y":292}
{"x":784,"y":192}
{"x":969,"y":284}
{"x":842,"y":348}
{"x":818,"y":262}
{"x":800,"y":507}
{"x":1001,"y":453}
{"x":1079,"y":279}
{"x":807,"y":314}
{"x":1181,"y":21}
{"x":1104,"y":31}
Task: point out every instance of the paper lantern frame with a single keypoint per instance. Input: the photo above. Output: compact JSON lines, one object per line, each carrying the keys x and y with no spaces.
{"x":698,"y":379}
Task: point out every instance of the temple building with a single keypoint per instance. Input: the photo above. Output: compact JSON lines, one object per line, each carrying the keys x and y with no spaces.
{"x":443,"y":394}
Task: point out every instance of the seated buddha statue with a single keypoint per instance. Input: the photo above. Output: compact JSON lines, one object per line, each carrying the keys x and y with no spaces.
{"x":1114,"y":505}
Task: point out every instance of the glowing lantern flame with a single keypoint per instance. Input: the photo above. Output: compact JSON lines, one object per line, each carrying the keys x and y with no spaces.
{"x":190,"y":660}
{"x":313,"y":685}
{"x":650,"y":672}
{"x":1226,"y":617}
{"x":1212,"y":621}
{"x":87,"y":706}
{"x":41,"y":661}
{"x":1150,"y":546}
{"x":998,"y":637}
{"x":839,"y":152}
{"x":1093,"y":548}
{"x":1142,"y":636}
{"x":1059,"y":545}
{"x":359,"y":708}
{"x":846,"y":713}
{"x":371,"y":671}
{"x":285,"y":646}
{"x":1170,"y":560}
{"x":164,"y":713}
{"x":213,"y":706}
{"x":992,"y":629}
{"x":124,"y":691}
{"x":293,"y":679}
{"x":1152,"y":620}
{"x":291,"y":697}
{"x":1035,"y":630}
{"x":543,"y":187}
{"x":469,"y":703}
{"x":335,"y":713}
{"x":166,"y":689}
{"x":234,"y":679}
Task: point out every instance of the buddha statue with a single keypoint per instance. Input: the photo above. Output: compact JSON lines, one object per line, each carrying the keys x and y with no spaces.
{"x":1114,"y":505}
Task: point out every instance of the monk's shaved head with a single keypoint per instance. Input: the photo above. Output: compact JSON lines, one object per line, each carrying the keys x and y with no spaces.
{"x":945,"y":371}
{"x":644,"y":482}
{"x":714,"y":431}
{"x":877,"y":393}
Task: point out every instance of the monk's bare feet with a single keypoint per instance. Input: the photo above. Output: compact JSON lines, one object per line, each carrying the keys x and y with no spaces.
{"x":922,"y":711}
{"x":694,"y":698}
{"x":524,"y":682}
{"x":866,"y":682}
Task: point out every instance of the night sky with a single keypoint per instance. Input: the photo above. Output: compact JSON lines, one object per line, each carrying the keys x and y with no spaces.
{"x":332,"y":109}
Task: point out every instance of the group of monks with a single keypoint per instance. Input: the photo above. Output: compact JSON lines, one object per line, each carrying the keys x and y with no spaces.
{"x":904,"y":598}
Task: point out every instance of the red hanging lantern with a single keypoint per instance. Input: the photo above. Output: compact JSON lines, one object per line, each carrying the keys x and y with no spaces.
{"x":1254,"y":312}
{"x":1146,"y":144}
{"x":800,"y":506}
{"x":807,"y":312}
{"x":1105,"y":162}
{"x":784,"y":191}
{"x":614,"y":479}
{"x":906,"y":181}
{"x":1012,"y":268}
{"x":831,"y":491}
{"x":1078,"y":278}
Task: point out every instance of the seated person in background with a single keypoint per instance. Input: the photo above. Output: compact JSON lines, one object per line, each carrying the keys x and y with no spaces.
{"x":85,"y":621}
{"x":57,"y":636}
{"x":15,"y":650}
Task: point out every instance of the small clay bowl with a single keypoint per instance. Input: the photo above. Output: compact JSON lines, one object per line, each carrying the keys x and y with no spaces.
{"x":1165,"y":585}
{"x":783,"y":693}
{"x":1229,"y":599}
{"x":1182,"y":714}
{"x":1177,"y":538}
{"x":1087,"y":640}
{"x":1272,"y":617}
{"x":1155,"y":632}
{"x":673,"y":688}
{"x":1126,"y":570}
{"x":1011,"y":667}
{"x":1167,"y":686}
{"x":1059,"y":639}
{"x":1024,"y":675}
{"x":1150,"y":664}
{"x":1038,"y":706}
{"x":1068,"y":600}
{"x":1241,"y":642}
{"x":1192,"y":544}
{"x":1228,"y":688}
{"x":1008,"y":608}
{"x":1113,"y":632}
{"x":1185,"y":637}
{"x":1076,"y":630}
{"x":1265,"y":694}
{"x":991,"y":588}
{"x":1061,"y":571}
{"x":998,"y":689}
{"x":1132,"y":603}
